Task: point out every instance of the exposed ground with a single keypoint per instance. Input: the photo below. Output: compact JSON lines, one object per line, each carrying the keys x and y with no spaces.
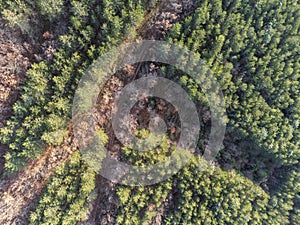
{"x":14,"y":62}
{"x":19,"y":194}
{"x":104,"y":209}
{"x":20,"y":191}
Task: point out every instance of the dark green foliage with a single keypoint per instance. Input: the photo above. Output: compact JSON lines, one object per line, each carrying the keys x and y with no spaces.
{"x":242,"y":44}
{"x":213,"y":196}
{"x":139,"y":204}
{"x":252,"y":47}
{"x":201,"y":194}
{"x":65,"y":201}
{"x":151,"y":156}
{"x":44,"y":110}
{"x":284,"y":191}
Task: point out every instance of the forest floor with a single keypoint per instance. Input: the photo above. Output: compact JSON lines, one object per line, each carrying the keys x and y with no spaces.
{"x":104,"y":209}
{"x":19,"y":192}
{"x":14,"y":62}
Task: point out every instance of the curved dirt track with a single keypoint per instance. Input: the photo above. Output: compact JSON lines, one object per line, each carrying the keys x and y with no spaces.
{"x":20,"y":192}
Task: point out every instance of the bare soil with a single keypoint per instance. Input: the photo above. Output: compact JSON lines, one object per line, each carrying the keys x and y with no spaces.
{"x":105,"y":208}
{"x":19,"y":193}
{"x":14,"y":62}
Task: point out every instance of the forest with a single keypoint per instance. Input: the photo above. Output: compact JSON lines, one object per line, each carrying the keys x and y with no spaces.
{"x":251,"y":49}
